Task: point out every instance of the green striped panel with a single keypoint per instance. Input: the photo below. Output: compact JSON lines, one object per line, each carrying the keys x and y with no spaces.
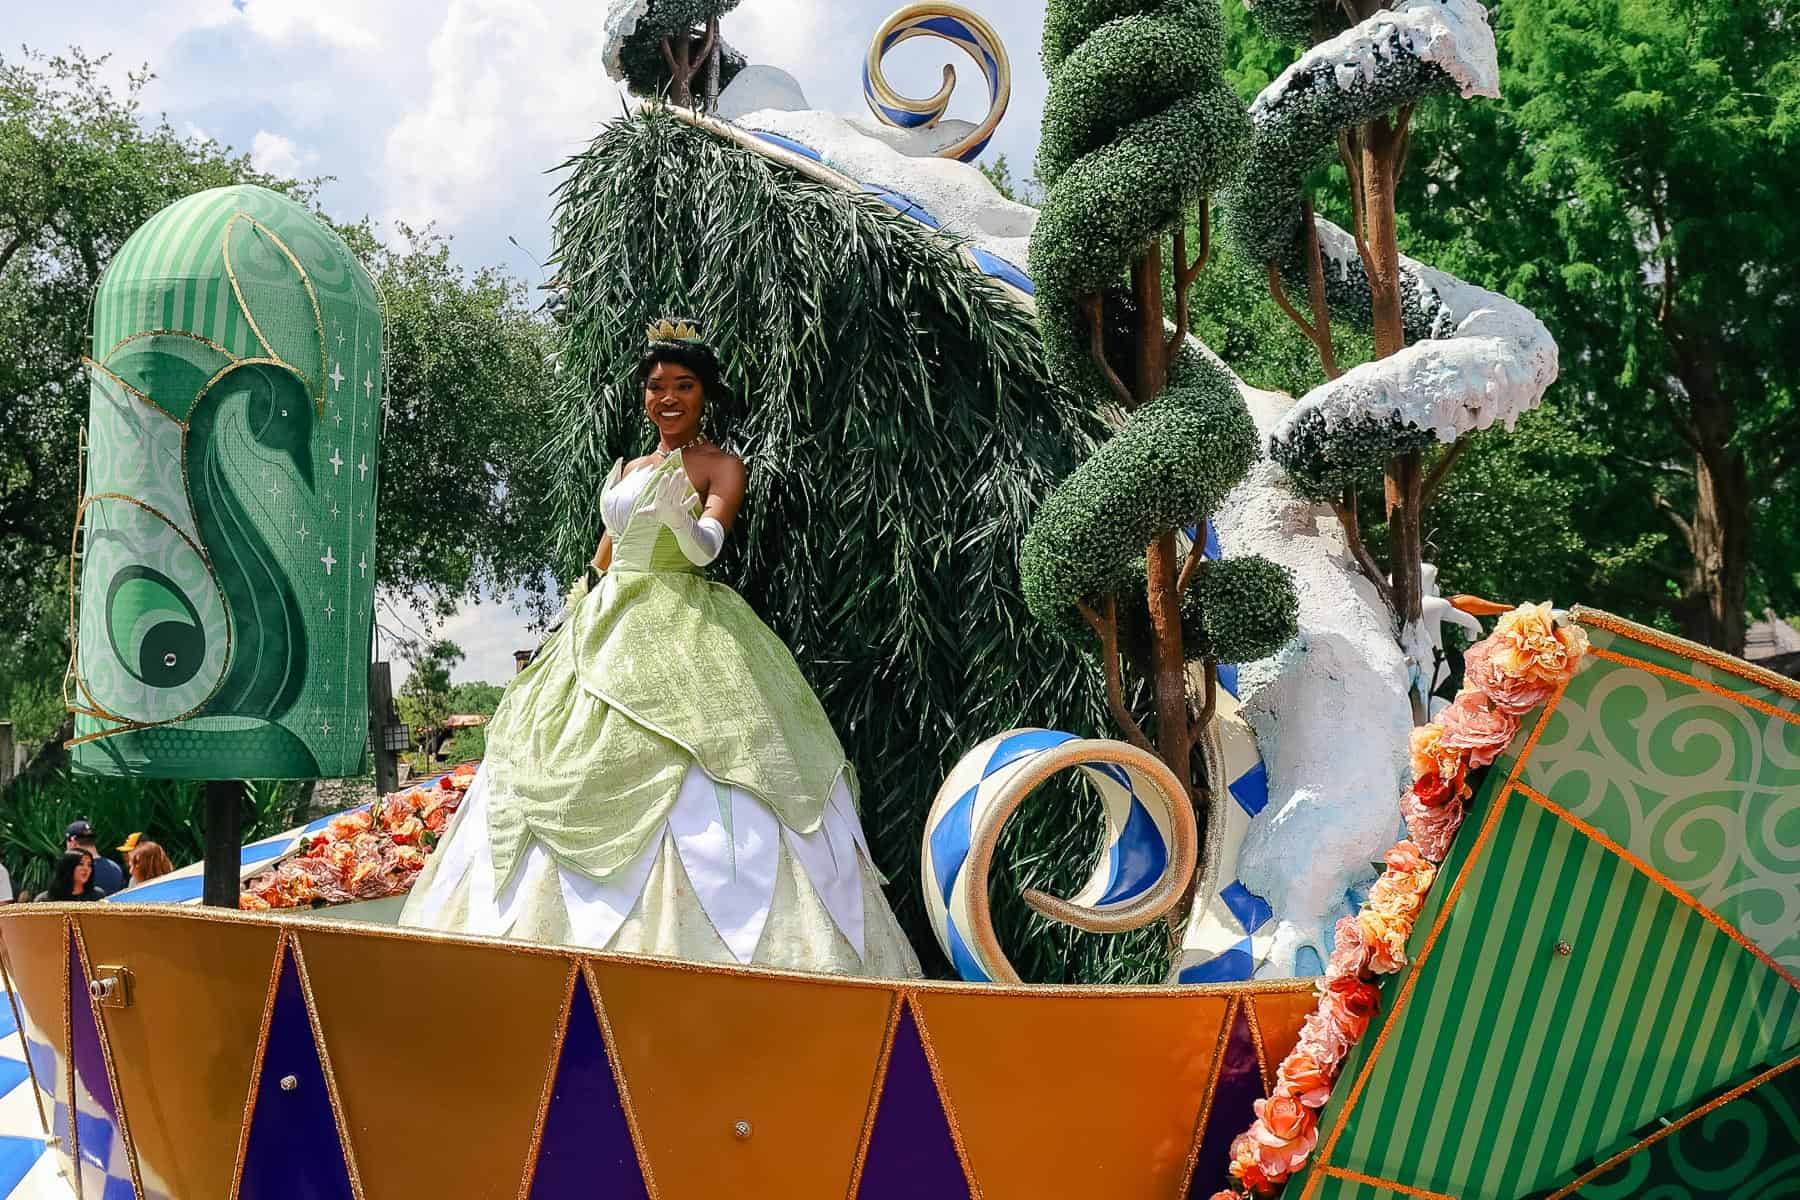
{"x":170,"y":274}
{"x":1692,"y":782}
{"x":1510,"y":1063}
{"x":1747,"y":1148}
{"x":1334,"y":1187}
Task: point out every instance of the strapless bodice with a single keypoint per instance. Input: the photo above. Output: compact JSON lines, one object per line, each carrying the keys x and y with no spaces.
{"x":641,"y":542}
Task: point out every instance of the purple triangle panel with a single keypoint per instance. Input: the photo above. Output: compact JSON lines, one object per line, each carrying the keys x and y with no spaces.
{"x":104,"y":1163}
{"x":1238,"y":1087}
{"x":586,"y":1149}
{"x":293,"y":1152}
{"x":911,"y":1152}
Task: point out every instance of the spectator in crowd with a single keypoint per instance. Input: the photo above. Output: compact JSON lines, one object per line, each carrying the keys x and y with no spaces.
{"x":147,"y":860}
{"x":107,"y":873}
{"x":74,"y":878}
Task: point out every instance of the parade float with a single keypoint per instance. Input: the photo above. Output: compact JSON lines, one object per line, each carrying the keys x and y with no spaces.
{"x":1544,"y":943}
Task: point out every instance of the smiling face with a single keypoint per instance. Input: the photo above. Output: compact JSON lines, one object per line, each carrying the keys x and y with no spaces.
{"x":84,"y":871}
{"x":674,"y":400}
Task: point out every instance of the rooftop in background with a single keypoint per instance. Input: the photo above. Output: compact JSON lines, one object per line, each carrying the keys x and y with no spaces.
{"x":1773,"y":639}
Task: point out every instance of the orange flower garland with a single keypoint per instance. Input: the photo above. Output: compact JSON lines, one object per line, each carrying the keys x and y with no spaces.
{"x":1516,"y":668}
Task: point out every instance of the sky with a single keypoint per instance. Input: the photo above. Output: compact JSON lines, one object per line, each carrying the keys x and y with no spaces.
{"x":458,"y":112}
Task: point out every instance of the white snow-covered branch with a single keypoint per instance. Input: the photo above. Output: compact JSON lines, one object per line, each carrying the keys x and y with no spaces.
{"x":1494,"y":365}
{"x":1450,"y":34}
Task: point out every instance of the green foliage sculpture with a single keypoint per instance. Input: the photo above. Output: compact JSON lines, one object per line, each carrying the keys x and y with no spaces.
{"x":1140,"y":125}
{"x":899,"y":427}
{"x":660,"y":47}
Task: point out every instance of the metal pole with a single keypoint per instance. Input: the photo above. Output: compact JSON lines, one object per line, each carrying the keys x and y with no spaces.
{"x":381,"y":717}
{"x":712,"y":68}
{"x":223,"y":841}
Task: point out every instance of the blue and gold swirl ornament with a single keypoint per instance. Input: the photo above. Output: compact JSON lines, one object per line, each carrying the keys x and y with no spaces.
{"x":956,"y":24}
{"x":1147,"y":859}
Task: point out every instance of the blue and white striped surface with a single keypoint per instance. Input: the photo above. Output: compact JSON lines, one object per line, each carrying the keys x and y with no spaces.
{"x":27,"y":1170}
{"x":1135,"y":855}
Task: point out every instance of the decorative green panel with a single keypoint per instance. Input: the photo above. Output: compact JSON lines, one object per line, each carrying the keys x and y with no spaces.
{"x":1704,"y":788}
{"x":226,"y":530}
{"x":1745,"y":1149}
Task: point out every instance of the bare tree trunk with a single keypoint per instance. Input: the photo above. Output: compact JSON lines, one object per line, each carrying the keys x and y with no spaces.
{"x":1712,"y":612}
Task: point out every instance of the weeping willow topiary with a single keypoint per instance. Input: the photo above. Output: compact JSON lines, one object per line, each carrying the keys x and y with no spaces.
{"x":899,"y":428}
{"x":1140,"y":124}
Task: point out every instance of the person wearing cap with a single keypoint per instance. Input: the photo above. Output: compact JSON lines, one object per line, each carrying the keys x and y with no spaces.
{"x":108,"y":875}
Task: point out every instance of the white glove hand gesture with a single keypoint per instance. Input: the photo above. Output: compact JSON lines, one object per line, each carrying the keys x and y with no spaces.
{"x":671,"y":501}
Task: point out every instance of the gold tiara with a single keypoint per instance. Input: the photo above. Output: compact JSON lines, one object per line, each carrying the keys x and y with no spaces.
{"x":673,"y":329}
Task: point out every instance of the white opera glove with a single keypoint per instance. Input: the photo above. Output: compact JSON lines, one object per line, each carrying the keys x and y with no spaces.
{"x":673,"y":504}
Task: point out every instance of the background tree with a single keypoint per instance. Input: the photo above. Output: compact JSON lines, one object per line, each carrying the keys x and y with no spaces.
{"x":1140,"y":125}
{"x":1655,"y":147}
{"x":425,"y":697}
{"x":672,"y":48}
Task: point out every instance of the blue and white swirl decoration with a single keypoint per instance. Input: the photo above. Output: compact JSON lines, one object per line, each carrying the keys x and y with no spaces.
{"x":955,"y":24}
{"x":1143,"y":870}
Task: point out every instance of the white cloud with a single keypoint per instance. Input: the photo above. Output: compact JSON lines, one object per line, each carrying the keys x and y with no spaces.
{"x":274,"y":154}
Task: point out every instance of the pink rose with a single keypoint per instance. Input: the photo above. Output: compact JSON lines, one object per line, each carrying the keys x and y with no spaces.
{"x":1471,"y":725}
{"x":1432,"y":827}
{"x":1324,"y":1039}
{"x":1351,"y":954}
{"x":1486,"y":672}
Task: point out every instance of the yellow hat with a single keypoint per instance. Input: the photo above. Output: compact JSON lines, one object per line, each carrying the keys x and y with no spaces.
{"x":130,"y":843}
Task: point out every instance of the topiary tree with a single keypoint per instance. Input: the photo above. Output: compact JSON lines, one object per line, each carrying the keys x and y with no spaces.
{"x":659,"y":47}
{"x":1139,"y":126}
{"x":1449,"y":358}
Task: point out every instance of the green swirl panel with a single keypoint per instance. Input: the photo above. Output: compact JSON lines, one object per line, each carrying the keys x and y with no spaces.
{"x":227,"y":570}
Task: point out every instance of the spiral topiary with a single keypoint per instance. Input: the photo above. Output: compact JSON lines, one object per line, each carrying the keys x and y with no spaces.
{"x":1139,"y":125}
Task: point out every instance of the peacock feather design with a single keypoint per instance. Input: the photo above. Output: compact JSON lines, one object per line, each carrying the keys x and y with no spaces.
{"x":224,"y":549}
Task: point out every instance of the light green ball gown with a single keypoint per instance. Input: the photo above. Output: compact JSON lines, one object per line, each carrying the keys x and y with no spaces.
{"x":661,"y":780}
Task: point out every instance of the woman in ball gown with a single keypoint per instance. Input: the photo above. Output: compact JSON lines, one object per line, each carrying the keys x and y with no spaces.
{"x":660,"y":779}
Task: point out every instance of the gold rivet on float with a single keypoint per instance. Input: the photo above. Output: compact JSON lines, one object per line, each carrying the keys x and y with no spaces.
{"x":742,"y":1131}
{"x":289,"y":1083}
{"x":1563,"y":949}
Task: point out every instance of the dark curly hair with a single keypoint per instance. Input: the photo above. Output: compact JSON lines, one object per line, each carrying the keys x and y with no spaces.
{"x":696,"y":356}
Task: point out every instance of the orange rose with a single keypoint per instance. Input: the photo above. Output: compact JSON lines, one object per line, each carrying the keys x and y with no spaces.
{"x":1305,"y":1078}
{"x":1386,"y":935}
{"x":1246,"y":1166}
{"x":409,"y":831}
{"x":1430,"y":756}
{"x":252,"y":902}
{"x":1324,"y":1039}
